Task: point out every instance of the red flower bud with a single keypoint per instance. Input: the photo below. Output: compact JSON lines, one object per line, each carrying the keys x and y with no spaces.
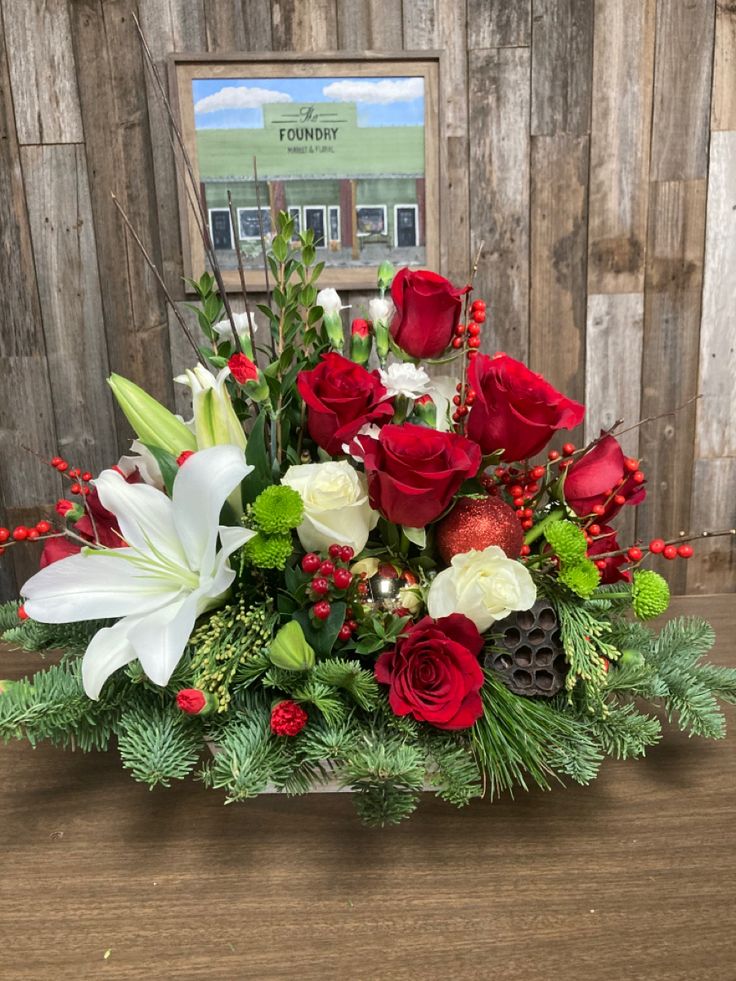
{"x":183,"y":457}
{"x":196,"y":702}
{"x":360,"y":327}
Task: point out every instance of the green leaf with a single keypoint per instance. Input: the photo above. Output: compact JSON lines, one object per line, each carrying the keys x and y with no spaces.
{"x":279,"y":248}
{"x":167,"y":465}
{"x":257,"y":456}
{"x":322,"y":638}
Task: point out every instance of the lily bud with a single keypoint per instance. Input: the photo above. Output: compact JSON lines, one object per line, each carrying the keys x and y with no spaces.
{"x":215,"y":421}
{"x":386,"y":273}
{"x":360,"y":341}
{"x":331,"y":305}
{"x":426,"y":411}
{"x":152,"y":422}
{"x":290,"y":650}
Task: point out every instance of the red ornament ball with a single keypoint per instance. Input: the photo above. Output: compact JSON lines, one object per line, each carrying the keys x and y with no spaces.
{"x":476,"y":523}
{"x":287,"y":718}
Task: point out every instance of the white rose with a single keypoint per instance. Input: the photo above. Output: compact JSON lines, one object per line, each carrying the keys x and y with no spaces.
{"x":405,"y":379}
{"x":336,"y":508}
{"x":381,"y":310}
{"x":485,"y":586}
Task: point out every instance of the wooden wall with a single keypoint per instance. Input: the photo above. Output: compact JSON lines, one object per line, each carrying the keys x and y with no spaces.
{"x":590,"y":143}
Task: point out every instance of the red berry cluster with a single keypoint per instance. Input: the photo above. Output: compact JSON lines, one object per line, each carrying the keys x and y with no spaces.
{"x":78,"y":479}
{"x":658,"y":546}
{"x":613,"y":496}
{"x":332,"y":580}
{"x":467,"y":336}
{"x":521,"y":487}
{"x":23,"y":533}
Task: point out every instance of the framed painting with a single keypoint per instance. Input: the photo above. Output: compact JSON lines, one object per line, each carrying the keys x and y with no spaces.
{"x":347,"y":145}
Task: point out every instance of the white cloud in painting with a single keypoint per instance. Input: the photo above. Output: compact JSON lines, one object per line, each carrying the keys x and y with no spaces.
{"x":239,"y":97}
{"x":383,"y":92}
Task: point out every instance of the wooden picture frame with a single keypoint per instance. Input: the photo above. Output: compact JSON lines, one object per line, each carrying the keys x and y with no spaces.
{"x":337,"y":176}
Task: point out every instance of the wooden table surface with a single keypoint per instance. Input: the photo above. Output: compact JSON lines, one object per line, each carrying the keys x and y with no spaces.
{"x":632,"y":878}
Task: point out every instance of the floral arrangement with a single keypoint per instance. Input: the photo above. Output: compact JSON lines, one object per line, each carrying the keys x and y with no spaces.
{"x":376,"y":576}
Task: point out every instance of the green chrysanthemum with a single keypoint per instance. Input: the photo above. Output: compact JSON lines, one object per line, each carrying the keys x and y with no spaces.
{"x":582,"y":578}
{"x":567,"y":541}
{"x":650,"y":594}
{"x":269,"y":551}
{"x":277,"y":510}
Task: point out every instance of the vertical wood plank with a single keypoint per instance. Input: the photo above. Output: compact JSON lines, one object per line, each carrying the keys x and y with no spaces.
{"x":38,"y":38}
{"x":257,"y":23}
{"x":443,"y":25}
{"x":369,"y":25}
{"x":562,"y":50}
{"x":499,"y":23}
{"x":723,"y":109}
{"x":25,"y":393}
{"x":225,"y":25}
{"x":64,"y":248}
{"x":119,"y":158}
{"x":682,"y":84}
{"x":498,"y":98}
{"x":713,"y":566}
{"x":559,"y":179}
{"x":623,"y":65}
{"x":304,"y":25}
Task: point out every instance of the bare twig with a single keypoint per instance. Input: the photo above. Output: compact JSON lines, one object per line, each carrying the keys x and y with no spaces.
{"x":466,"y":349}
{"x":241,"y":273}
{"x":260,"y":229}
{"x":152,"y":266}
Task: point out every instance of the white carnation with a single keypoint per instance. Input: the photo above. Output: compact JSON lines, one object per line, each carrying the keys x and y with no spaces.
{"x":381,"y":310}
{"x":224,"y":330}
{"x":405,"y":379}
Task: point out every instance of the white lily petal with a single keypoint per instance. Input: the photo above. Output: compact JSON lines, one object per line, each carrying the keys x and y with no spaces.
{"x":200,"y":489}
{"x":94,"y":586}
{"x":108,"y":650}
{"x":159,"y":639}
{"x":143,"y":513}
{"x":222,"y":575}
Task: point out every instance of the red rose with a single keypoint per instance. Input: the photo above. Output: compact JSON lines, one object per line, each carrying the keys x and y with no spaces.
{"x":434,"y":674}
{"x":606,"y":542}
{"x":427,"y":312}
{"x":242,"y":369}
{"x":516,"y":410}
{"x":599,"y":478}
{"x":413,"y":472}
{"x":341,"y":398}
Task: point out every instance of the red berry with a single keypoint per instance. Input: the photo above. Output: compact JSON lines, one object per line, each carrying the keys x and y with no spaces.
{"x":322,"y":609}
{"x":538,"y":472}
{"x":86,"y":475}
{"x":473,"y":330}
{"x":4,"y":534}
{"x":347,"y":553}
{"x":86,"y":491}
{"x":353,"y":624}
{"x":594,"y":529}
{"x":43,"y":527}
{"x":33,"y":535}
{"x":631,"y":464}
{"x":553,"y":455}
{"x":311,"y":562}
{"x":516,"y":491}
{"x":75,"y":488}
{"x":63,"y":506}
{"x":62,"y":467}
{"x":598,"y":509}
{"x":344,"y":632}
{"x":563,"y":465}
{"x":474,"y":342}
{"x":526,"y":550}
{"x":457,"y":342}
{"x":460,"y":330}
{"x":656,"y":545}
{"x":320,"y":586}
{"x":479,"y":316}
{"x":456,"y":400}
{"x":56,"y":460}
{"x":342,"y":578}
{"x":22,"y":615}
{"x":526,"y":524}
{"x":634,"y":554}
{"x":685,"y":551}
{"x":638,"y":477}
{"x":334,"y":551}
{"x":478,"y":305}
{"x":326,"y":568}
{"x":568,"y":448}
{"x":669,"y":552}
{"x":619,"y":499}
{"x":600,"y":565}
{"x":20,"y":533}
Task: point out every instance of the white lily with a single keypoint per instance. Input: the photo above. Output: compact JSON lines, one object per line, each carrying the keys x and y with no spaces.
{"x":215,"y":421}
{"x":167,"y":574}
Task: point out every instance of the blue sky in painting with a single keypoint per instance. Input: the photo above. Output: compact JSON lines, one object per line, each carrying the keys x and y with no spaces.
{"x":397,"y":101}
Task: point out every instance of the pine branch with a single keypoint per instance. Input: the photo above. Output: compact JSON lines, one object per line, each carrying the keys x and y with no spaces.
{"x":34,"y":636}
{"x":624,"y":732}
{"x":360,"y":684}
{"x":158,"y":743}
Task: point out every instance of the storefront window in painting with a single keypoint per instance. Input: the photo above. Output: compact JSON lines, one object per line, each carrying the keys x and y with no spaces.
{"x":345,"y":156}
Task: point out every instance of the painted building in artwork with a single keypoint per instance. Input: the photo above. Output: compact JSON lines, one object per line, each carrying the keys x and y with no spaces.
{"x":360,"y":189}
